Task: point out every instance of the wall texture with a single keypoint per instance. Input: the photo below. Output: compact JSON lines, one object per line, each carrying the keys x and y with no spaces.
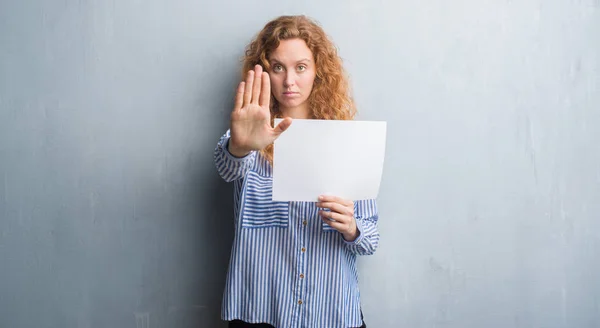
{"x":112,"y":214}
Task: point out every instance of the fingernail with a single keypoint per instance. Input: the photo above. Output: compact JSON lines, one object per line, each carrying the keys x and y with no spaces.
{"x":320,"y":197}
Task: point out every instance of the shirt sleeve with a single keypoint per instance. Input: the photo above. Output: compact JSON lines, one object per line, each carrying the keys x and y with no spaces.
{"x":231,"y":168}
{"x":366,"y":215}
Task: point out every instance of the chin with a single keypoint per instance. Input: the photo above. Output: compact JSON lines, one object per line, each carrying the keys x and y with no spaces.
{"x":292,"y":103}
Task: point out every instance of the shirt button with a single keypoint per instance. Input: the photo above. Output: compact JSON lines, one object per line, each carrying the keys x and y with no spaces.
{"x":300,"y":302}
{"x":303,"y":249}
{"x":301,"y":276}
{"x":304,"y":222}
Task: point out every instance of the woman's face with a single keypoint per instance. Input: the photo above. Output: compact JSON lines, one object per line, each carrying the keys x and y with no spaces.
{"x":292,"y":75}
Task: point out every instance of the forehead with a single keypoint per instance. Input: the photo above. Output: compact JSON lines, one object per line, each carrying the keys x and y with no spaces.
{"x":291,"y":50}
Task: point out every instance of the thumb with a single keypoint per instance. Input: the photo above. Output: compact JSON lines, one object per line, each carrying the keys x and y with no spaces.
{"x":282,"y":126}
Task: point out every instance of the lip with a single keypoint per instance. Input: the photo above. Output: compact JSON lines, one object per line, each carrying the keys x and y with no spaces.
{"x":289,"y":93}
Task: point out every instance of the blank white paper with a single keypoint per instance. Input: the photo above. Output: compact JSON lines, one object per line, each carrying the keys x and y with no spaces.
{"x":328,"y":157}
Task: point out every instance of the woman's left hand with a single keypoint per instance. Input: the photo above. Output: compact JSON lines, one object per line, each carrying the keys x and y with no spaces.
{"x":341,"y":217}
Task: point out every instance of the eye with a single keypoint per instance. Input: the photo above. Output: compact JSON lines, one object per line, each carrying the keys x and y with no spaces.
{"x":277,"y":68}
{"x":302,"y":68}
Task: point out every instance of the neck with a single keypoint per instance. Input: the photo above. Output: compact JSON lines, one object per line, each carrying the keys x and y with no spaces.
{"x":300,"y":112}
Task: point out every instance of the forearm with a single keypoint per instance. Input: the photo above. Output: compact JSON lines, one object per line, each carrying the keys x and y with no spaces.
{"x":229,"y":166}
{"x":367,"y":235}
{"x":368,"y":238}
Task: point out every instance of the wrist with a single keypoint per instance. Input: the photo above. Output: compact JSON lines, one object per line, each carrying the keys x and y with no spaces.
{"x":235,"y":150}
{"x":351,"y":235}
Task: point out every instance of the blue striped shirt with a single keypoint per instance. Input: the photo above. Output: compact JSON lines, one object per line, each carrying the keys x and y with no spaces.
{"x":287,"y":267}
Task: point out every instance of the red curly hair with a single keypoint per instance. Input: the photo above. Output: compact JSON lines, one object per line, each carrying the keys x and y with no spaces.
{"x":330,"y":98}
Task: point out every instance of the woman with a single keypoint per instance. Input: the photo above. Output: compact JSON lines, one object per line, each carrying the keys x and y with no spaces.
{"x":293,"y":264}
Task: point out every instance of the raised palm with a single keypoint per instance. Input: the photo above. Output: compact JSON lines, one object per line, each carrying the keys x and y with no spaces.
{"x":251,"y":117}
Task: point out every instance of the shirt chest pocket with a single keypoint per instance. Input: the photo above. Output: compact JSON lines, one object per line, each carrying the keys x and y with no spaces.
{"x":258,"y":210}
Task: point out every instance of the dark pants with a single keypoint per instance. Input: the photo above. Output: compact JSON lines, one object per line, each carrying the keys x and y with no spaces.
{"x":242,"y":324}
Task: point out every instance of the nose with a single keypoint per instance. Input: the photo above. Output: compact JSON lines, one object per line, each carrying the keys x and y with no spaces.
{"x":289,"y":79}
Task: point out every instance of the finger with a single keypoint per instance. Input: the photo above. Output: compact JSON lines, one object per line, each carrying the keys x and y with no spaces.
{"x":335,"y":216}
{"x":331,"y":198}
{"x":337,"y":225}
{"x":239,"y":96}
{"x":265,"y":91}
{"x":336,"y":207}
{"x":257,"y":84}
{"x":248,"y":90}
{"x":283,"y":125}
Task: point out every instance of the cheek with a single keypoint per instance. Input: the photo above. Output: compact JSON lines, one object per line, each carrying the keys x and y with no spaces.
{"x":308,"y":82}
{"x":275,"y":83}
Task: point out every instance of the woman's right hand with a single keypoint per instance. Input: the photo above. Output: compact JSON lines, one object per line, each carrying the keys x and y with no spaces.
{"x":251,"y":117}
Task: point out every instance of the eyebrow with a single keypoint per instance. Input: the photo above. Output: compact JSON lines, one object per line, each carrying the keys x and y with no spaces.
{"x":279,"y":61}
